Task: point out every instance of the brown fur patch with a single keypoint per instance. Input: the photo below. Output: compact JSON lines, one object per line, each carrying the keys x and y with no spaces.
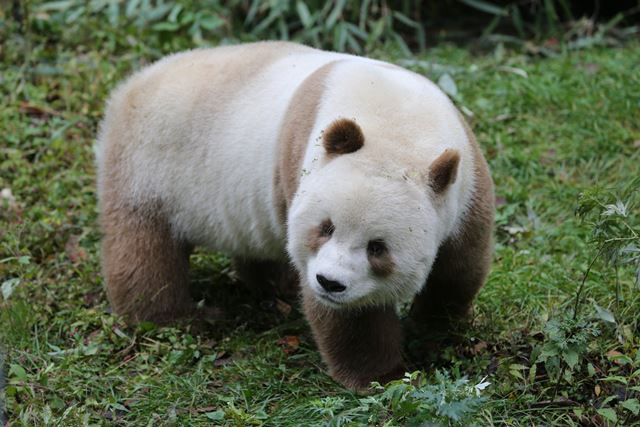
{"x":463,"y":261}
{"x":358,"y":346}
{"x":145,"y":268}
{"x":320,"y":235}
{"x":382,"y":265}
{"x":343,"y":136}
{"x":296,"y":131}
{"x":444,"y":170}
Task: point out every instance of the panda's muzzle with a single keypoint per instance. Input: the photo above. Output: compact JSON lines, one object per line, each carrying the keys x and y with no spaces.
{"x":331,"y":286}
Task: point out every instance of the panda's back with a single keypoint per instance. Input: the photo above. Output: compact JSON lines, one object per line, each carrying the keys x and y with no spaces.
{"x":198,"y":132}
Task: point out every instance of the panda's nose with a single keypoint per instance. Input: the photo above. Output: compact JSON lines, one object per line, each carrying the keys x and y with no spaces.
{"x":330,"y":285}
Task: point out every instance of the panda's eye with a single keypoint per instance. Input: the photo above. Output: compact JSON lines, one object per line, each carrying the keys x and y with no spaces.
{"x":326,"y":228}
{"x":376,"y":248}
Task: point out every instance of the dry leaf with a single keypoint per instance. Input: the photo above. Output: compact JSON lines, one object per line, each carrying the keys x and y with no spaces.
{"x":223,"y":359}
{"x":283,"y":307}
{"x":614,"y":356}
{"x":549,"y":157}
{"x":35,"y":111}
{"x":290,"y":343}
{"x":203,"y":409}
{"x":74,"y":251}
{"x":503,"y":117}
{"x":591,"y":68}
{"x":479,"y":347}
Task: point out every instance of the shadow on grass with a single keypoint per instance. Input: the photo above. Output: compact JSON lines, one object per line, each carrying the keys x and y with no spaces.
{"x":228,"y":302}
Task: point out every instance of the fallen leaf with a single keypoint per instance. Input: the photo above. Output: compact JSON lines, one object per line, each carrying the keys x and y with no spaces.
{"x":597,"y":390}
{"x":447,"y":84}
{"x":283,"y":307}
{"x":128,"y":357}
{"x":91,"y":336}
{"x":36,"y":111}
{"x":514,"y":70}
{"x":479,"y":347}
{"x":7,"y":196}
{"x":636,"y":143}
{"x":74,"y":251}
{"x":203,"y":409}
{"x":514,"y":229}
{"x":502,"y":117}
{"x":130,"y":402}
{"x":223,"y":359}
{"x":92,"y":299}
{"x":615,"y":356}
{"x":562,"y":402}
{"x":548,"y":157}
{"x":591,"y":68}
{"x":8,"y":286}
{"x":290,"y":343}
{"x":604,"y":314}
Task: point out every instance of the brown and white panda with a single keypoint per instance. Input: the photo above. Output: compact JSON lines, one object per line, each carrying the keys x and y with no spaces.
{"x":361,"y":174}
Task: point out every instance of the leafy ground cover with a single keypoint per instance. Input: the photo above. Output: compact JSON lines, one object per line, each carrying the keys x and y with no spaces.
{"x":549,"y":343}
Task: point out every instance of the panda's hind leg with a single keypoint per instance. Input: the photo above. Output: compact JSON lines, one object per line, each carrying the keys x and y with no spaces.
{"x":144,"y":265}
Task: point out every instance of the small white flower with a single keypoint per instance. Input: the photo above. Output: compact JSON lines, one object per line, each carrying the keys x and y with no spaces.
{"x":481,"y":386}
{"x":619,"y":209}
{"x":6,"y":194}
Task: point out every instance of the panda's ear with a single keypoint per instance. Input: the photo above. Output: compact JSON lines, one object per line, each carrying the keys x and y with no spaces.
{"x":443,"y":170}
{"x":343,"y":136}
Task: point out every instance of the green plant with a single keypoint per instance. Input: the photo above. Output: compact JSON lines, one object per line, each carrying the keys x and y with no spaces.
{"x":624,"y":404}
{"x":356,"y":26}
{"x":610,"y":213}
{"x":2,"y":388}
{"x":546,"y":18}
{"x":413,"y":401}
{"x":565,"y":345}
{"x":550,"y":21}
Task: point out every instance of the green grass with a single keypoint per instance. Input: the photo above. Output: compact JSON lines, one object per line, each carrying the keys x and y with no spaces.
{"x":551,"y":129}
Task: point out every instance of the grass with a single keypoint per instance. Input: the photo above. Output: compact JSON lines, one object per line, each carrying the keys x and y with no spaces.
{"x":552,"y":128}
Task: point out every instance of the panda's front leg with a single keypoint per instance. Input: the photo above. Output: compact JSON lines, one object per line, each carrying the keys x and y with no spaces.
{"x":460,"y":270}
{"x":359,"y":345}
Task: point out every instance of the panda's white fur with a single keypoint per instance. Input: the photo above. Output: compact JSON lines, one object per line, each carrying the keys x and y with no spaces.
{"x":408,"y":122}
{"x":211,"y":155}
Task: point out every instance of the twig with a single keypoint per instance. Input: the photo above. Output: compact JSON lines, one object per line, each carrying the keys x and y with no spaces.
{"x":557,"y":385}
{"x":584,"y":279}
{"x":617,"y":288}
{"x":551,"y":403}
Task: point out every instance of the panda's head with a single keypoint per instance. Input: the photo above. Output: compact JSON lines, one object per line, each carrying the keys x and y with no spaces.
{"x":364,"y":235}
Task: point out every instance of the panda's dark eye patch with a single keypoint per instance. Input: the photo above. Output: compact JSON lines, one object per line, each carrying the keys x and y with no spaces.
{"x":379,"y":258}
{"x":320,"y":235}
{"x":376,"y":248}
{"x":327,"y":228}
